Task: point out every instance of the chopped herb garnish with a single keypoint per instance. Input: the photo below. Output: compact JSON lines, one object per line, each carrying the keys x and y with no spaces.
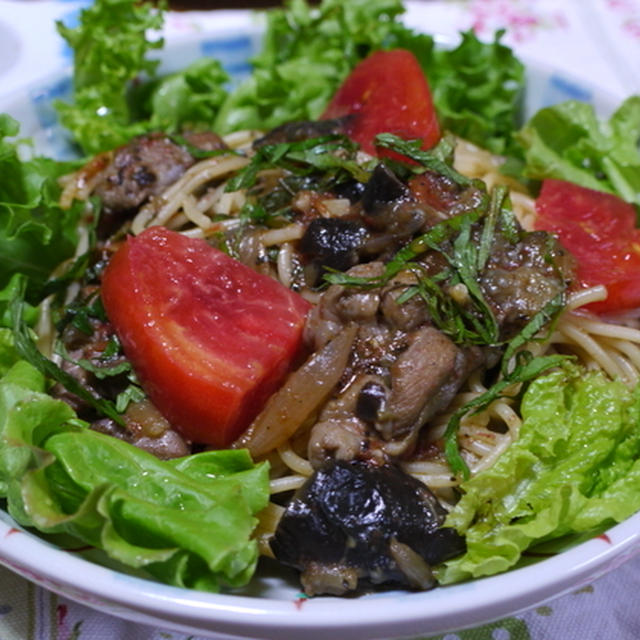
{"x":436,"y":159}
{"x":27,"y":348}
{"x":133,"y":393}
{"x":333,"y":156}
{"x":546,"y":317}
{"x":107,"y":365}
{"x":526,"y":369}
{"x":498,"y":197}
{"x":469,"y":322}
{"x":80,"y":314}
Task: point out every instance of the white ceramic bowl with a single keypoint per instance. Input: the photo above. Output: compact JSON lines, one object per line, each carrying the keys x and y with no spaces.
{"x":272,"y":607}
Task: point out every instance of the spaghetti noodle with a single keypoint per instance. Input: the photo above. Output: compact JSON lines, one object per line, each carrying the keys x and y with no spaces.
{"x":199,"y":204}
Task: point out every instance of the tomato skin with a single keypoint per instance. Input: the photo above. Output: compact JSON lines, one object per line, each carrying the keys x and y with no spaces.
{"x":386,"y":93}
{"x":209,"y":338}
{"x":599,"y":230}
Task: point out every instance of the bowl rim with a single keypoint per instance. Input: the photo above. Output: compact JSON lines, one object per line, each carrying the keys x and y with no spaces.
{"x":387,"y":615}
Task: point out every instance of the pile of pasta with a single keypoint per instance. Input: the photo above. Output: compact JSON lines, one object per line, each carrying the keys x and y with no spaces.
{"x":199,"y":205}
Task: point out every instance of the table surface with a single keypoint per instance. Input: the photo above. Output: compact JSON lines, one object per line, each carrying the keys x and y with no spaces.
{"x":596,"y":41}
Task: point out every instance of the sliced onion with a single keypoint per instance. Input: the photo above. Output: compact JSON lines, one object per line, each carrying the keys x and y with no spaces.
{"x":303,"y":392}
{"x":415,"y":568}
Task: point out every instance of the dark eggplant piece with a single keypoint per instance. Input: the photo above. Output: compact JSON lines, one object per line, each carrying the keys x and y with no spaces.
{"x":390,"y":211}
{"x":333,"y":243}
{"x":302,"y":130}
{"x":383,"y":187}
{"x":353,"y":525}
{"x":352,"y":190}
{"x":372,"y":400}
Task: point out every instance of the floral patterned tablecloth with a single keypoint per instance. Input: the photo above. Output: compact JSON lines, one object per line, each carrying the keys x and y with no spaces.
{"x":595,"y":41}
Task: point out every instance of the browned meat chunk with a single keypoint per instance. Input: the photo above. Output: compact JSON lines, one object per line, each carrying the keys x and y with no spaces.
{"x":443,"y":195}
{"x":407,"y":315}
{"x":391,"y":213}
{"x":146,"y":429}
{"x":520,"y":278}
{"x":424,"y":379}
{"x":144,"y":167}
{"x":394,"y":212}
{"x":401,"y":373}
{"x":205,"y":140}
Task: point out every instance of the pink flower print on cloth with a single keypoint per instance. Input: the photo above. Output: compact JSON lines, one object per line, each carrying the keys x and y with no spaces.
{"x":521,"y":18}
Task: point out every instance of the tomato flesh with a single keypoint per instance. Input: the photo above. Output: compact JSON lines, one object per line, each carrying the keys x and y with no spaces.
{"x":599,"y":230}
{"x":209,"y":338}
{"x":386,"y":93}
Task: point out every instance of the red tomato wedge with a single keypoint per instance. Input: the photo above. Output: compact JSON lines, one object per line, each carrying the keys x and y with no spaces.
{"x":599,"y":230}
{"x":386,"y":93}
{"x":209,"y":338}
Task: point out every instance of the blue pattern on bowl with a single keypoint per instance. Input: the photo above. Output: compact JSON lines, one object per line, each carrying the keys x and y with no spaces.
{"x":234,"y":54}
{"x":43,"y":99}
{"x":560,"y":88}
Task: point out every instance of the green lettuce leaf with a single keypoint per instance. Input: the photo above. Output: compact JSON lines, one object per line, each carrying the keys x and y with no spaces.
{"x":569,"y":142}
{"x":308,"y":52}
{"x":575,"y":468}
{"x":15,"y":288}
{"x":189,"y":98}
{"x":110,"y":47}
{"x":116,"y":94}
{"x":188,"y":522}
{"x":477,"y":90}
{"x":35,"y":233}
{"x":8,"y":353}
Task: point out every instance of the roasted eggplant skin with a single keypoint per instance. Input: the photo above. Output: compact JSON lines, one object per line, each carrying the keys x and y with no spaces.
{"x":354,"y":526}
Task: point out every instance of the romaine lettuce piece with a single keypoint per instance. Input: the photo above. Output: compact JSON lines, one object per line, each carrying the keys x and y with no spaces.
{"x":35,"y":233}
